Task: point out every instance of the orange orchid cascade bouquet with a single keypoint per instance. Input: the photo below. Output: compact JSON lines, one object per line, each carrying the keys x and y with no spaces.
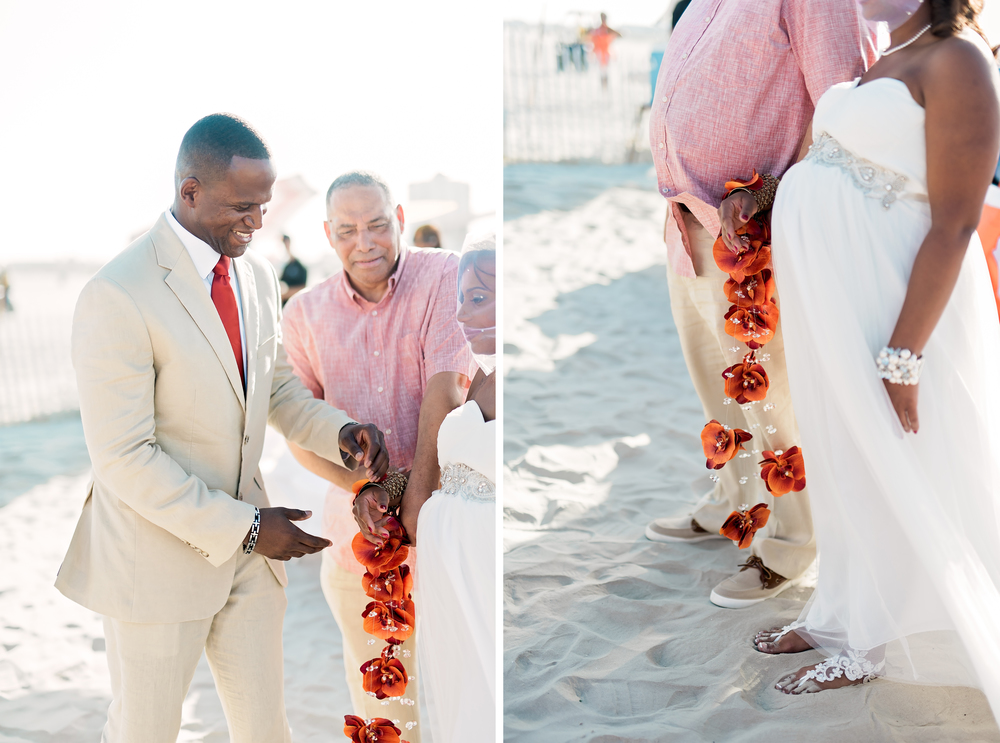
{"x":752,"y":320}
{"x":389,"y":616}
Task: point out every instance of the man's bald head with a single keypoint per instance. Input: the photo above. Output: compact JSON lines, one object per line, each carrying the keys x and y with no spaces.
{"x":209,"y":147}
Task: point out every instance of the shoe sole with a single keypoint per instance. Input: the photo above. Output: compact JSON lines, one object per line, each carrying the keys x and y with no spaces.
{"x":657,"y":537}
{"x":726,"y":602}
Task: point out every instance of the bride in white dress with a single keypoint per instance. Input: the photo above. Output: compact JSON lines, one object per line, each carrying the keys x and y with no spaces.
{"x":874,"y":246}
{"x":456,"y":533}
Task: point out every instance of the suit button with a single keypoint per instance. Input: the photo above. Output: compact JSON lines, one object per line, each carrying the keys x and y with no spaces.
{"x":246,"y":439}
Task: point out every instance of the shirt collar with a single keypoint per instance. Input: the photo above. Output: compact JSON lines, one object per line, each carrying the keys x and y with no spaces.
{"x":202,"y":254}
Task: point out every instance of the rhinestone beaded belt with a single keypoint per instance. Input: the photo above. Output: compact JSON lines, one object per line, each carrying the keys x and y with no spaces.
{"x":873,"y":180}
{"x":462,"y":480}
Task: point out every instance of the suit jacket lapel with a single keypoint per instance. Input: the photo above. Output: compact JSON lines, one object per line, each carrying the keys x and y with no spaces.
{"x":189,"y":288}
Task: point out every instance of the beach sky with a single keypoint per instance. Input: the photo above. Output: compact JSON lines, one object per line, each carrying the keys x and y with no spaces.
{"x":99,"y":95}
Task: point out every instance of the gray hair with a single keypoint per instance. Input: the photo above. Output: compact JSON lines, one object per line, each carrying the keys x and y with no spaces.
{"x":359,"y":178}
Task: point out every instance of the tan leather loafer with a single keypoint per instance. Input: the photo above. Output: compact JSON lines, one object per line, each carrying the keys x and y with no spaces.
{"x":679,"y":529}
{"x":753,"y":584}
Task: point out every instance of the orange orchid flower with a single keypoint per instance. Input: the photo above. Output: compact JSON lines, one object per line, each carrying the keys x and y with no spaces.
{"x":754,"y":184}
{"x":756,"y":289}
{"x":384,"y":677}
{"x":746,"y":381}
{"x":783,"y":473}
{"x":742,"y":525}
{"x":395,"y":529}
{"x":390,"y":621}
{"x":752,"y":254}
{"x":720,"y":445}
{"x":753,"y":324}
{"x":391,"y":585}
{"x":379,"y":730}
{"x":378,"y":559}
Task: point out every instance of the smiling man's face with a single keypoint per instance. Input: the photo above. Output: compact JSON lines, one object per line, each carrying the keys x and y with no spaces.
{"x":225,"y":212}
{"x":364,"y":229}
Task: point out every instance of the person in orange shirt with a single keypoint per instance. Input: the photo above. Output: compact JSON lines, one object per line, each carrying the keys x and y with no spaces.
{"x":601,"y":37}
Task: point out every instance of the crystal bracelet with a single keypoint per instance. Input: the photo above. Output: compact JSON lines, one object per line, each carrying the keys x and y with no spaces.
{"x":899,"y":365}
{"x":254,"y":531}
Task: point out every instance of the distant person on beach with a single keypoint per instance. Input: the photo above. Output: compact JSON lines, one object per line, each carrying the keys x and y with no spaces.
{"x":601,"y":38}
{"x":5,"y":305}
{"x":724,"y":108}
{"x":294,"y":275}
{"x":380,"y":340}
{"x":180,"y":366}
{"x":427,"y":236}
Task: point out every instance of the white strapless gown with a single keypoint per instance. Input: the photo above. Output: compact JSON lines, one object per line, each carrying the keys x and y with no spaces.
{"x":456,"y":572}
{"x":906,"y":525}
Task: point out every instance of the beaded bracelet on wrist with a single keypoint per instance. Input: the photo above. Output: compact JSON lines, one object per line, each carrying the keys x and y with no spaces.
{"x":394,"y":484}
{"x":254,"y":531}
{"x":764,"y":195}
{"x":899,"y":365}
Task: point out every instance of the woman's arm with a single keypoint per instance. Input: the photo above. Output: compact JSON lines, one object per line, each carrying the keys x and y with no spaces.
{"x":445,"y":392}
{"x":807,"y":140}
{"x":963,"y":134}
{"x":338,"y":475}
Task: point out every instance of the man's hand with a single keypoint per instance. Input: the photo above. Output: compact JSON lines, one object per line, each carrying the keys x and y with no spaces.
{"x":904,"y":401}
{"x":365,"y":443}
{"x":369,"y":511}
{"x":735,"y":212}
{"x":280,"y":539}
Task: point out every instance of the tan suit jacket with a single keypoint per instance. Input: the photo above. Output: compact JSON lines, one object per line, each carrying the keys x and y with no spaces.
{"x":174,"y":444}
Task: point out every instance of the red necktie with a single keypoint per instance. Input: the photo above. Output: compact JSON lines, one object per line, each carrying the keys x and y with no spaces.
{"x":225,"y":302}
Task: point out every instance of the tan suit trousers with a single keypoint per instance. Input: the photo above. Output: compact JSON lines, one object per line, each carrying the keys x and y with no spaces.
{"x":152,"y":665}
{"x":347,"y":601}
{"x":786,"y":545}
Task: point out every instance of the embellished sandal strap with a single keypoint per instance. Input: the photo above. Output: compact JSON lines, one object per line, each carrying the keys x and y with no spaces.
{"x":786,"y":629}
{"x":850,"y":663}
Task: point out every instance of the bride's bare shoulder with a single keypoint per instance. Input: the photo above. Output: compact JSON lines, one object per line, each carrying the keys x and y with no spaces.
{"x":960,"y":62}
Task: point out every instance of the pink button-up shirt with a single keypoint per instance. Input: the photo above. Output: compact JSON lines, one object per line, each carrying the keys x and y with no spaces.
{"x":735,"y":93}
{"x":373,"y":360}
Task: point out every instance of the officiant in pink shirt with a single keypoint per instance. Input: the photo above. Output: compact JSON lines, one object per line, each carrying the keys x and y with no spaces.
{"x":735,"y":94}
{"x":380,"y":338}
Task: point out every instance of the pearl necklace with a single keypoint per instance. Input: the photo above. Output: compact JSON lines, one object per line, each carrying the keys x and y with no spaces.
{"x":905,"y":44}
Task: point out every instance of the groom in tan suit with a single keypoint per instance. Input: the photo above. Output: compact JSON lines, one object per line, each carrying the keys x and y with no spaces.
{"x":180,"y":365}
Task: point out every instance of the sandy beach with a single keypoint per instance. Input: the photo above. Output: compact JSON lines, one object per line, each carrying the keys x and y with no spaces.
{"x":608,"y":636}
{"x":54,"y":685}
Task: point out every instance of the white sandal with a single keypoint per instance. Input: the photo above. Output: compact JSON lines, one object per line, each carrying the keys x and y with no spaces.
{"x":775,"y":635}
{"x":852,"y":664}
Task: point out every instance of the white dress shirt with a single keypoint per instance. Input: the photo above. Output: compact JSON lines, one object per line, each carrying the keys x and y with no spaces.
{"x":205,"y":258}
